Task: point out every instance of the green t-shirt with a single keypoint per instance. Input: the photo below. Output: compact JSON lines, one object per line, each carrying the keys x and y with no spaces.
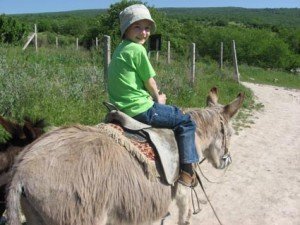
{"x":128,"y":70}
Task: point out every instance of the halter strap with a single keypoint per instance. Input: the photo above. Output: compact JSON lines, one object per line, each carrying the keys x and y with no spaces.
{"x":225,"y":137}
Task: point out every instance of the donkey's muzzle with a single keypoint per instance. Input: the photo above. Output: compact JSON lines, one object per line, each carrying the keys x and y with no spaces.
{"x":225,"y":161}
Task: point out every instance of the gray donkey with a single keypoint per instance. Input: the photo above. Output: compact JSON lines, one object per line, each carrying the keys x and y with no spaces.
{"x":81,"y":175}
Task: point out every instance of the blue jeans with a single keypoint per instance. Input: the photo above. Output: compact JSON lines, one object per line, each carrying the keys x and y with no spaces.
{"x":166,"y":116}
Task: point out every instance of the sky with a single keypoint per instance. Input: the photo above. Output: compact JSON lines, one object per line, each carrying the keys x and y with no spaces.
{"x":39,"y":6}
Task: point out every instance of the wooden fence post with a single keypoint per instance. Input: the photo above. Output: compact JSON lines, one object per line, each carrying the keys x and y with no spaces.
{"x":221,"y":56}
{"x":28,"y":41}
{"x":56,"y":42}
{"x":236,"y":74}
{"x":169,"y":53}
{"x":107,"y":53}
{"x":193,"y":59}
{"x":157,"y":51}
{"x":35,"y":38}
{"x":30,"y":38}
{"x":77,"y":44}
{"x":97,"y":42}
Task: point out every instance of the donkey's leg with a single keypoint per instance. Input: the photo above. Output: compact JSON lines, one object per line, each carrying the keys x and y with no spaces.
{"x":2,"y":199}
{"x":183,"y":199}
{"x":31,"y":215}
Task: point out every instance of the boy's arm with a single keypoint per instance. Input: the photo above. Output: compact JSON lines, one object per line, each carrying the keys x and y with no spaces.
{"x":151,"y":87}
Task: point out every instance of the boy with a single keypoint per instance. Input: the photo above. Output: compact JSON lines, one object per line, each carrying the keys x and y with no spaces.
{"x":132,"y":88}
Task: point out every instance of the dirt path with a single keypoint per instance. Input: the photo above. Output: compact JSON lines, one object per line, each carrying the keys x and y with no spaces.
{"x":262,"y":186}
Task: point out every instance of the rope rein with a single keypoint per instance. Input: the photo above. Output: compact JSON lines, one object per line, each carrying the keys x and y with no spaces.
{"x":206,"y":196}
{"x":211,"y":181}
{"x":227,"y":160}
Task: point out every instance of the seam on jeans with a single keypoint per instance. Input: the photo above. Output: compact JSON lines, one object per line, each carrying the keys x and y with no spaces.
{"x":153,"y":114}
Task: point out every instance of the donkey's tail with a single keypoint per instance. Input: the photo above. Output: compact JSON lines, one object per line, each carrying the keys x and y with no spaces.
{"x":13,"y":201}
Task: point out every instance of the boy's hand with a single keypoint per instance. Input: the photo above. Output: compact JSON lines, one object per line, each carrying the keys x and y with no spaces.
{"x":151,"y":87}
{"x":162,"y":99}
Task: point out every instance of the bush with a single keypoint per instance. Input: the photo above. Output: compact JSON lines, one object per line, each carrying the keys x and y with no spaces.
{"x":259,"y":48}
{"x":11,"y":31}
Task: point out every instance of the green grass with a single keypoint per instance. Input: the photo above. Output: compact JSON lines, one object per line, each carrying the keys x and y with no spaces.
{"x":63,"y":86}
{"x":174,"y":80}
{"x":66,"y":86}
{"x":276,"y":78}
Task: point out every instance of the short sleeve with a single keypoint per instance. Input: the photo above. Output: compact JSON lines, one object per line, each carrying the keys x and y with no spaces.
{"x":143,"y":65}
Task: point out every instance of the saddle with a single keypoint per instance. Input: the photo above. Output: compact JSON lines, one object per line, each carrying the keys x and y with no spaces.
{"x":161,"y":139}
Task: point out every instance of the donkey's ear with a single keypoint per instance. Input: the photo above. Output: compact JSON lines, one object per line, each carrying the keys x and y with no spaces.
{"x":33,"y":129}
{"x":231,"y":109}
{"x":212,"y":97}
{"x":10,"y":127}
{"x":29,"y":132}
{"x":6,"y":124}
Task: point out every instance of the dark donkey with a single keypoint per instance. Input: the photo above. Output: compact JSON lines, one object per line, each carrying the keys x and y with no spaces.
{"x":21,"y":135}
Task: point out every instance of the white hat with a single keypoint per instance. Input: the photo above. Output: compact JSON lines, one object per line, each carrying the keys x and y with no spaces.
{"x":132,"y":14}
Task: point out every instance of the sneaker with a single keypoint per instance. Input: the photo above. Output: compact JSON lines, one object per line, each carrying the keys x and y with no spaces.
{"x":187,"y":180}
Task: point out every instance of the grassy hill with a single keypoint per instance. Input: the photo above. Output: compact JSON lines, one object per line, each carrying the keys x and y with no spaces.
{"x":80,"y":13}
{"x":259,"y":33}
{"x":279,"y":17}
{"x":289,"y":17}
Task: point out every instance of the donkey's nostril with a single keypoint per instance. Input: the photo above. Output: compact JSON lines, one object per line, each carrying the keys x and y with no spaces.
{"x":225,"y":161}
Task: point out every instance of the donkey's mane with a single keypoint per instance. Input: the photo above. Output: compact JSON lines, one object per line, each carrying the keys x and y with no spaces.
{"x":207,"y":120}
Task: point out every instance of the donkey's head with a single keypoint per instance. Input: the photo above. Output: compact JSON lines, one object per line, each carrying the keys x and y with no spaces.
{"x":214,"y":130}
{"x":21,"y":135}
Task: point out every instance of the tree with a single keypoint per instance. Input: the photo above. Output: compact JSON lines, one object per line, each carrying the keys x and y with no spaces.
{"x":109,"y":24}
{"x":11,"y":30}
